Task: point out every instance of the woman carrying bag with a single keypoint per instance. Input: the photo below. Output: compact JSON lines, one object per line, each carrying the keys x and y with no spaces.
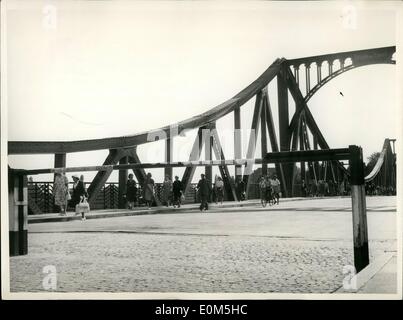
{"x":80,"y":196}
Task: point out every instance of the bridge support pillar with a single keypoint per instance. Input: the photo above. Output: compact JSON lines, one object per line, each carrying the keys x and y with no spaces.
{"x":263,"y":136}
{"x":208,"y":149}
{"x":273,"y":141}
{"x":60,"y":160}
{"x":168,"y":156}
{"x":283,"y":117}
{"x":122,"y":184}
{"x":360,"y":231}
{"x":18,"y":213}
{"x":237,"y":143}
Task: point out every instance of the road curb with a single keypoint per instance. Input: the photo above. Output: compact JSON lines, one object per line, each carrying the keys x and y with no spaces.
{"x":139,"y":212}
{"x":364,"y":276}
{"x":130,"y":213}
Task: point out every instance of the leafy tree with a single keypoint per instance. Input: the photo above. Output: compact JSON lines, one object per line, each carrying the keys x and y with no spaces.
{"x":372,"y":159}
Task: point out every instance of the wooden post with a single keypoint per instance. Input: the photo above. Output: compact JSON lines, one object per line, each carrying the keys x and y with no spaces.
{"x":18,"y":213}
{"x":122,"y":184}
{"x":360,"y":231}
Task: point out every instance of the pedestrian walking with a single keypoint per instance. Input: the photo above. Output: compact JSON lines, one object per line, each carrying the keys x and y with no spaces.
{"x":204,"y":190}
{"x":177,"y":190}
{"x":275,"y":184}
{"x":61,"y":191}
{"x":219,"y":186}
{"x":303,"y":188}
{"x":314,"y":188}
{"x":131,"y":192}
{"x":262,"y":189}
{"x":321,"y":188}
{"x":241,"y":190}
{"x":148,"y":190}
{"x":79,"y":197}
{"x":167,"y":191}
{"x":269,"y":191}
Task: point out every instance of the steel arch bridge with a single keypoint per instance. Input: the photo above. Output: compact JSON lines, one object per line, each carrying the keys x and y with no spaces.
{"x":301,"y":132}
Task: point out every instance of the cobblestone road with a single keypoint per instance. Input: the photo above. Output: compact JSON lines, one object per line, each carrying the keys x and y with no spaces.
{"x":274,"y":250}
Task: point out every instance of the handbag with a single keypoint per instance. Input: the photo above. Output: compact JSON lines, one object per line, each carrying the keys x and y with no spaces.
{"x":83,"y":206}
{"x":68,"y":195}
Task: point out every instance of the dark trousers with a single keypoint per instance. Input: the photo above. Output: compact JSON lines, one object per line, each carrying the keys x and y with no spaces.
{"x":177,"y":198}
{"x":204,"y":202}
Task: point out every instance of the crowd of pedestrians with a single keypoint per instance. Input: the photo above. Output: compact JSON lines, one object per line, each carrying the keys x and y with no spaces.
{"x":322,"y":188}
{"x":172,"y":192}
{"x":77,"y":199}
{"x":371,"y":189}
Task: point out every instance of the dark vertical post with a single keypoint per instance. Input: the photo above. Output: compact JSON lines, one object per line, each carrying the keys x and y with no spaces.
{"x":122,"y":184}
{"x":330,"y":67}
{"x":294,"y":145}
{"x":208,"y":149}
{"x":168,"y":156}
{"x":308,"y":78}
{"x":301,"y":147}
{"x":360,"y":231}
{"x":60,"y":160}
{"x":237,"y":143}
{"x":296,"y":74}
{"x":283,"y":117}
{"x":319,"y":71}
{"x":274,"y":145}
{"x":316,"y":167}
{"x":263,"y":135}
{"x":18,"y":213}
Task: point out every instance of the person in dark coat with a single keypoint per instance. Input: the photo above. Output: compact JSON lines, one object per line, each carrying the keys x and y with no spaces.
{"x":241,"y":190}
{"x":177,"y":190}
{"x":204,"y":189}
{"x":78,"y":191}
{"x":131,"y":192}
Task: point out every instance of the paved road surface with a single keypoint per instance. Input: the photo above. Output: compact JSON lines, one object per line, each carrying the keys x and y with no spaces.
{"x":298,"y":246}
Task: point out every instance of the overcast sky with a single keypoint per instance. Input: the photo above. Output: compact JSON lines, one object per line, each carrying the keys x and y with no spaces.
{"x":89,"y":69}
